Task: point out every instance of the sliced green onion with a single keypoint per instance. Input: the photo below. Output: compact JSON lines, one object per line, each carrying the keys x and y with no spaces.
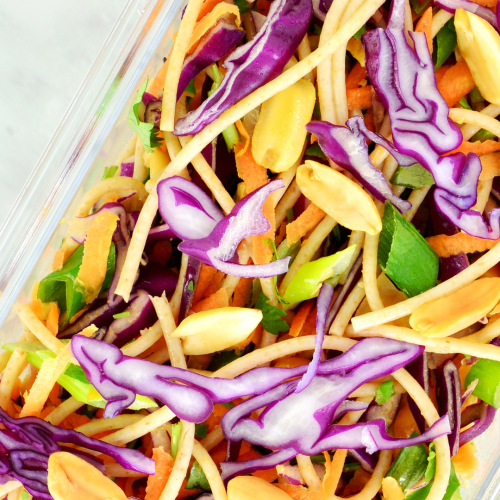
{"x":201,"y":430}
{"x":413,"y":177}
{"x":175,"y":439}
{"x":404,"y":255}
{"x":445,"y":43}
{"x":482,"y":135}
{"x":452,"y":491}
{"x":463,"y":102}
{"x":109,"y":172}
{"x":384,"y":392}
{"x":475,"y":96}
{"x":124,"y":314}
{"x":197,"y":479}
{"x":315,"y":150}
{"x":487,"y":372}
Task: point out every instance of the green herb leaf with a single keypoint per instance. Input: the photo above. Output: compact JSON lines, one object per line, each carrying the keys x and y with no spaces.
{"x":419,"y":8}
{"x":175,"y":439}
{"x":404,"y":255}
{"x":452,"y":492}
{"x":201,"y":430}
{"x":413,"y":177}
{"x":463,"y":102}
{"x":445,"y":43}
{"x":228,"y":405}
{"x":191,"y":286}
{"x":109,"y":172}
{"x":272,"y":316}
{"x":243,"y":6}
{"x":475,"y":96}
{"x":124,"y":314}
{"x":190,"y":89}
{"x":270,"y":242}
{"x":482,"y":135}
{"x":487,"y":372}
{"x":146,"y":131}
{"x":148,"y":176}
{"x":197,"y":479}
{"x":315,"y":150}
{"x":223,"y":358}
{"x":362,"y":31}
{"x":431,"y":464}
{"x":384,"y":392}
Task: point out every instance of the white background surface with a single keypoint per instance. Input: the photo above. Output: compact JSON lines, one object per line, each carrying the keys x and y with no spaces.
{"x":46,"y":49}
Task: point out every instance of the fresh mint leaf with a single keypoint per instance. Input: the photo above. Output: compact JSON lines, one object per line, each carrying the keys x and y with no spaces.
{"x":201,"y":430}
{"x":109,"y":172}
{"x":384,"y":392}
{"x":315,"y":150}
{"x":272,"y":316}
{"x":197,"y":479}
{"x":124,"y":314}
{"x":445,"y":43}
{"x":431,"y":464}
{"x":175,"y":439}
{"x":146,"y":131}
{"x":362,"y":31}
{"x":419,"y":8}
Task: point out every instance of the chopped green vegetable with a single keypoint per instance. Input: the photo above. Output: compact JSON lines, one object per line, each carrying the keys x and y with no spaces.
{"x":309,"y":278}
{"x":463,"y":102}
{"x":60,"y":286}
{"x":430,"y":470}
{"x":351,"y":467}
{"x":146,"y":131}
{"x":175,"y":439}
{"x":444,"y":44}
{"x":243,"y":6}
{"x":384,"y":392}
{"x":223,"y":358}
{"x":109,"y":172}
{"x":272,"y":316}
{"x":148,"y":176}
{"x":361,"y":31}
{"x":230,"y":134}
{"x":317,"y":109}
{"x":191,"y":286}
{"x":201,"y":430}
{"x":317,"y":29}
{"x":452,"y":492}
{"x":409,"y":466}
{"x":475,"y":96}
{"x":124,"y":314}
{"x":289,"y":216}
{"x":73,"y":379}
{"x":404,"y":255}
{"x":25,"y":495}
{"x":228,"y":405}
{"x":487,"y":372}
{"x":419,"y":8}
{"x":190,"y":89}
{"x":315,"y":150}
{"x":482,"y":135}
{"x":413,"y":177}
{"x":197,"y":479}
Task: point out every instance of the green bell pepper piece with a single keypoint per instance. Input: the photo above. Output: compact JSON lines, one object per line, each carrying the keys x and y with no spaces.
{"x":487,"y":373}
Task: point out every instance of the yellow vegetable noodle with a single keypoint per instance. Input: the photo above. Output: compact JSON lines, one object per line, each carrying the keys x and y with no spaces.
{"x":339,"y":197}
{"x":158,"y":160}
{"x":479,"y":44}
{"x":448,"y":315}
{"x":280,"y":132}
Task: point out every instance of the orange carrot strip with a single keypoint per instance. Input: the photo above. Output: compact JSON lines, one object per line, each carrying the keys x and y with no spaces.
{"x":446,"y":246}
{"x":217,"y":300}
{"x":206,"y":275}
{"x":359,"y":98}
{"x":242,"y":130}
{"x":207,"y":6}
{"x":268,"y":475}
{"x":249,"y":171}
{"x":159,"y":81}
{"x":441,"y":72}
{"x":491,"y":166}
{"x":297,"y":492}
{"x":480,"y":148}
{"x":424,"y":25}
{"x":355,"y":77}
{"x":486,"y":3}
{"x":199,"y":80}
{"x":456,"y":83}
{"x":262,"y":252}
{"x":309,"y":327}
{"x":163,"y":468}
{"x":242,"y":292}
{"x":37,"y":307}
{"x":53,"y":318}
{"x":291,"y":361}
{"x":58,"y":261}
{"x":214,"y":285}
{"x":333,"y":472}
{"x":300,"y":318}
{"x":306,"y":221}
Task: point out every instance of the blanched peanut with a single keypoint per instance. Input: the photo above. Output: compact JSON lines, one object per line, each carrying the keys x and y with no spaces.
{"x":211,"y":331}
{"x":448,"y":315}
{"x":253,"y":488}
{"x":339,"y":197}
{"x":72,"y":478}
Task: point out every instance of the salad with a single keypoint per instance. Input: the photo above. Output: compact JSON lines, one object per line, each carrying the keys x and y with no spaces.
{"x":288,"y":287}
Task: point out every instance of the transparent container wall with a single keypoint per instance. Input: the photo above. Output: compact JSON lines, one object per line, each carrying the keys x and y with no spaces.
{"x":92,"y":135}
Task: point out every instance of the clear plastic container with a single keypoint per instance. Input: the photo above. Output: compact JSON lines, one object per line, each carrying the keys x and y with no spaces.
{"x":90,"y":137}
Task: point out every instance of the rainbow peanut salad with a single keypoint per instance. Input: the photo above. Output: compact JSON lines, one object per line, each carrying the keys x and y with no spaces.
{"x":288,"y":287}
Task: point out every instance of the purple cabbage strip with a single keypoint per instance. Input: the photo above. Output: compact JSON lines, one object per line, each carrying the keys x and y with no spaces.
{"x":155,"y":279}
{"x":113,"y":375}
{"x":483,"y":12}
{"x":449,"y":399}
{"x":352,"y":278}
{"x":495,"y":189}
{"x":160,"y":233}
{"x":419,"y":370}
{"x":367,"y":461}
{"x":147,"y":98}
{"x":347,"y":147}
{"x":218,"y":249}
{"x":258,"y":19}
{"x":323,"y":305}
{"x":153,"y":112}
{"x":142,"y":315}
{"x":321,"y":8}
{"x":214,"y":44}
{"x":487,"y":417}
{"x":193,"y":269}
{"x":255,"y":63}
{"x":27,"y":443}
{"x":127,"y":169}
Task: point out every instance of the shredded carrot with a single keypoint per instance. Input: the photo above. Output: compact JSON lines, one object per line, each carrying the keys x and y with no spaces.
{"x":441,"y":72}
{"x":242,"y":130}
{"x":297,"y":492}
{"x":54,"y":395}
{"x":95,"y":255}
{"x":214,"y":285}
{"x":306,"y":221}
{"x":206,"y":275}
{"x":445,"y":246}
{"x":257,"y":334}
{"x":465,"y":461}
{"x":456,"y":83}
{"x":163,"y":468}
{"x":357,"y":483}
{"x":356,"y":76}
{"x":73,"y":421}
{"x":199,"y":80}
{"x":480,"y":148}
{"x":159,"y":81}
{"x":262,"y":252}
{"x":359,"y":98}
{"x":309,"y":327}
{"x":486,"y":3}
{"x":404,"y":423}
{"x":491,"y":166}
{"x":36,"y":306}
{"x":249,"y":171}
{"x":300,"y":318}
{"x":268,"y":475}
{"x":52,"y":321}
{"x":424,"y":25}
{"x":161,"y":252}
{"x":207,"y":6}
{"x":242,"y":292}
{"x":333,"y":472}
{"x":217,"y":300}
{"x":58,"y":261}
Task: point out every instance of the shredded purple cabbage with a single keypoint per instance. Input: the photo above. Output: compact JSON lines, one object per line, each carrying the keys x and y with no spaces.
{"x":188,"y":289}
{"x":419,"y":370}
{"x":127,"y":169}
{"x":452,"y":5}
